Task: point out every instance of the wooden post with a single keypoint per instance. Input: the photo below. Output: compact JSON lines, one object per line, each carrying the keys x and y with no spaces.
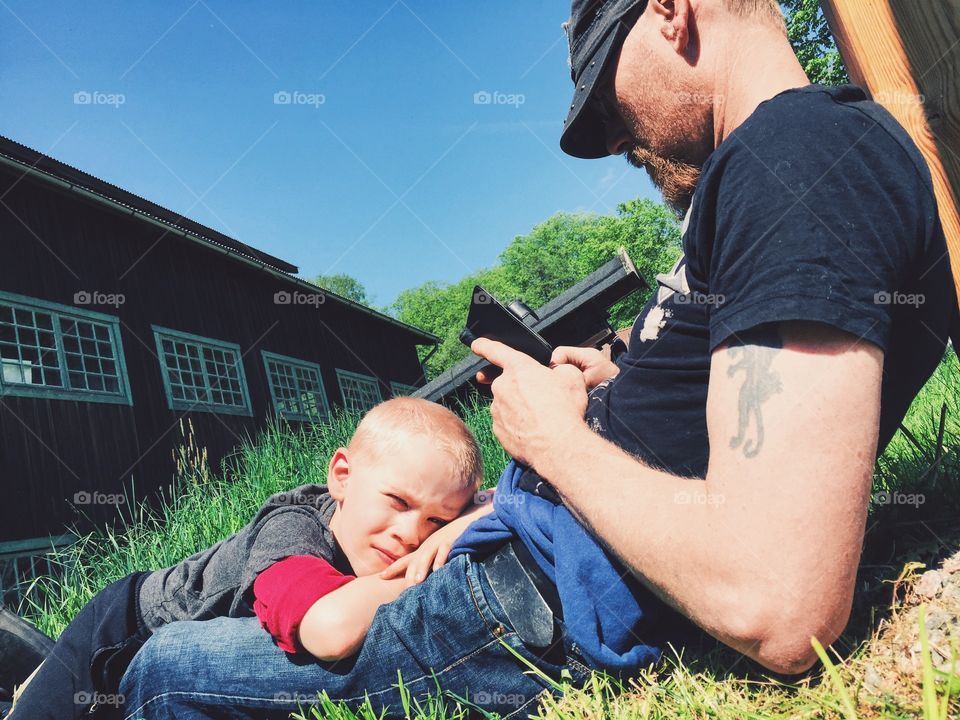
{"x":906,"y":53}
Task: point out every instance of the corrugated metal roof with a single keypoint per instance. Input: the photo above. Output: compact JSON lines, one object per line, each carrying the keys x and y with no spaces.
{"x":35,"y":159}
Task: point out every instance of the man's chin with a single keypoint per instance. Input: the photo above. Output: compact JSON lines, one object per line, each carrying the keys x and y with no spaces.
{"x":675,"y":179}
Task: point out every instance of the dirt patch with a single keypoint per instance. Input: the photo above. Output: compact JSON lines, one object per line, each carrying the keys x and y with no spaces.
{"x":891,"y":667}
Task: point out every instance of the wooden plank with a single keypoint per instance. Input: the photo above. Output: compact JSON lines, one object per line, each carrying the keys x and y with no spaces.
{"x":906,"y":53}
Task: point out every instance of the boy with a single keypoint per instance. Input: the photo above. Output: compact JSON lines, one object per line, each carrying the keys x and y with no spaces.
{"x":411,"y":468}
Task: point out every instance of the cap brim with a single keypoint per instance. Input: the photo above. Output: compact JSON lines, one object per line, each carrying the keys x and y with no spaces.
{"x":583,"y":133}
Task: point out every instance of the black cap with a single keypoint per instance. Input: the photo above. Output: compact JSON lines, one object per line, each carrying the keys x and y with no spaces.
{"x":595,"y":32}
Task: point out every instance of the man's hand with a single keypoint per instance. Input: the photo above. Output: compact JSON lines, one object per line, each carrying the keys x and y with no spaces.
{"x":534,"y":407}
{"x":595,"y":366}
{"x":433,"y":551}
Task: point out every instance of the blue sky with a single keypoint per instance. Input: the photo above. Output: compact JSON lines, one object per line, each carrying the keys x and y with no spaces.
{"x":383,"y":164}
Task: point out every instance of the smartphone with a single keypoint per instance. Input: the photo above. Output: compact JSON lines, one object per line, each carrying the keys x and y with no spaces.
{"x":488,"y":318}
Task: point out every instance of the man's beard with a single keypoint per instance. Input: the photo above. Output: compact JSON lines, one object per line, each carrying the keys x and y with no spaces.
{"x":675,"y":179}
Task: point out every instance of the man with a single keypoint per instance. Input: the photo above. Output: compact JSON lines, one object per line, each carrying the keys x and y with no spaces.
{"x":721,"y":470}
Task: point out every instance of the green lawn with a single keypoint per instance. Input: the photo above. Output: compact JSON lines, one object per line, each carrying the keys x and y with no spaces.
{"x":204,"y":507}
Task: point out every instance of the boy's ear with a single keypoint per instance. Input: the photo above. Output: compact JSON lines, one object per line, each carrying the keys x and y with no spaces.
{"x":338,"y":473}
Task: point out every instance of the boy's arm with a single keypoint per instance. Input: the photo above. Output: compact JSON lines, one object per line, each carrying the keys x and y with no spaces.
{"x":336,"y":625}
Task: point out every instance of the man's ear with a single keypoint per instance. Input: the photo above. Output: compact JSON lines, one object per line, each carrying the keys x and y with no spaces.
{"x":675,"y":16}
{"x":338,"y":473}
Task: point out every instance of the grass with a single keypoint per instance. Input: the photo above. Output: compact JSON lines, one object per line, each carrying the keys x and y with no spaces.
{"x":912,"y":524}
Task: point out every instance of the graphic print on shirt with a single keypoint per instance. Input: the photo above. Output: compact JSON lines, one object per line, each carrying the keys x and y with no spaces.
{"x":669,"y":284}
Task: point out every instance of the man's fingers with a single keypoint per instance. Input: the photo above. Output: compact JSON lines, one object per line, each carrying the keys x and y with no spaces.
{"x":564,"y":354}
{"x":488,"y":375}
{"x":496,"y":352}
{"x":578,"y":356}
{"x":572,"y":376}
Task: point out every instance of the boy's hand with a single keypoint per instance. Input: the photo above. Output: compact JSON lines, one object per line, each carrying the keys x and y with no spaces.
{"x":433,"y":551}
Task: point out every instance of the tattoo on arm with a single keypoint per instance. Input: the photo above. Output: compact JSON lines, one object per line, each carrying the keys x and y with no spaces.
{"x":753,"y":353}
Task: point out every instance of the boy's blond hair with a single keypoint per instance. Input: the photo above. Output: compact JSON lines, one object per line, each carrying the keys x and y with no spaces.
{"x":386,"y":425}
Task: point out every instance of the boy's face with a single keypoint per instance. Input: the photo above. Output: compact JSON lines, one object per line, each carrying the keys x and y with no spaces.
{"x":386,"y":507}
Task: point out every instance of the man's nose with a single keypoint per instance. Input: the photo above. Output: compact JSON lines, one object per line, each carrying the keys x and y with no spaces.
{"x":615,"y":134}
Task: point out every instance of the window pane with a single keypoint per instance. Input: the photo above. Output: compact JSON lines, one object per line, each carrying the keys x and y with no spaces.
{"x":29,"y":340}
{"x":297,"y":390}
{"x":359,"y":393}
{"x":202,"y":373}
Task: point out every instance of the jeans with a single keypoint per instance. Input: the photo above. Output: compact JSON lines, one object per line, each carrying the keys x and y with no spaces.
{"x":447,"y":631}
{"x":78,"y":679}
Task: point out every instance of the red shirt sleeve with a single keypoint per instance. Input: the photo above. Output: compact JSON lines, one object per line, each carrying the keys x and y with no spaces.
{"x":285,"y":591}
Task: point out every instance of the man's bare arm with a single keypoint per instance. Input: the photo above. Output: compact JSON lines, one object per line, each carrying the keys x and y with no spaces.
{"x":763,"y":553}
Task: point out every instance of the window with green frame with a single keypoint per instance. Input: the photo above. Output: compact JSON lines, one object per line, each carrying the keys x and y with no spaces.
{"x":360,"y":392}
{"x":402,"y":390}
{"x":202,"y":374}
{"x":48,"y":350}
{"x":296,"y":388}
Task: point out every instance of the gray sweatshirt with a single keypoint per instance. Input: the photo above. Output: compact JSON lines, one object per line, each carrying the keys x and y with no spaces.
{"x":218,"y":581}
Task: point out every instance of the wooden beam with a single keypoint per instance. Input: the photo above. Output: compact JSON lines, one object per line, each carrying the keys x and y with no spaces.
{"x":906,"y":53}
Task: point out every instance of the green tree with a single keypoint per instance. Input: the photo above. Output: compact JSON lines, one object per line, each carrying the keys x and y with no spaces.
{"x":343,"y":285}
{"x":442,"y":310}
{"x":813,"y":43}
{"x":566,"y":248}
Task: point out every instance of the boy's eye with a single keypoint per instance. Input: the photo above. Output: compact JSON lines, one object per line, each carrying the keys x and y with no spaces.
{"x":402,"y":504}
{"x":398,"y":501}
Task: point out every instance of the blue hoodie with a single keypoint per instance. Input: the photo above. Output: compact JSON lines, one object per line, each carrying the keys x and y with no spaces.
{"x":606,"y":610}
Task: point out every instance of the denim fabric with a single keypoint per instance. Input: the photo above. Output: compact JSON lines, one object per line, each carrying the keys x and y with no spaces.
{"x":618,"y":623}
{"x":88,"y":659}
{"x":449,"y":627}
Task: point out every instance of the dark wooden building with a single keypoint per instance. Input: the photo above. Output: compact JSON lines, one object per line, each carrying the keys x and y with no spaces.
{"x":118,"y":318}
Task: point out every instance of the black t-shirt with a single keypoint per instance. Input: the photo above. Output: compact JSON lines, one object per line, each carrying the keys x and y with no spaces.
{"x":817,"y":207}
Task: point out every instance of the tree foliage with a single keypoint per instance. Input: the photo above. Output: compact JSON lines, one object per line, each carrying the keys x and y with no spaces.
{"x":813,"y":43}
{"x":540,"y":265}
{"x":343,"y":285}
